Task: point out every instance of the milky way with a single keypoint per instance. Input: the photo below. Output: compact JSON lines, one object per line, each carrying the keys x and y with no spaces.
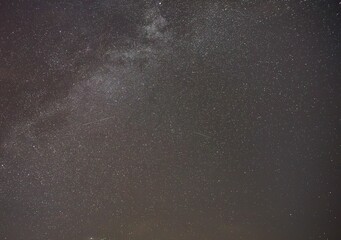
{"x":124,"y":119}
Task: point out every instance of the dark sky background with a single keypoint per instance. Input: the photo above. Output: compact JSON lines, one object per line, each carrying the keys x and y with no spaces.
{"x":169,"y":120}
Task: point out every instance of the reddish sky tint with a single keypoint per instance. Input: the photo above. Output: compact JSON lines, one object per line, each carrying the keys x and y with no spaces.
{"x":169,"y":120}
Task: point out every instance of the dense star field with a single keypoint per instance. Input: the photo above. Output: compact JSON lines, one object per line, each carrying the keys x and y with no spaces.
{"x":169,"y":120}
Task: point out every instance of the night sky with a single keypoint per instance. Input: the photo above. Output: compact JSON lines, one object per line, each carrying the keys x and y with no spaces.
{"x":170,"y":120}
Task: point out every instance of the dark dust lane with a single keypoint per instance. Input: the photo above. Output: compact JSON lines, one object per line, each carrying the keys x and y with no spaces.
{"x":186,"y":120}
